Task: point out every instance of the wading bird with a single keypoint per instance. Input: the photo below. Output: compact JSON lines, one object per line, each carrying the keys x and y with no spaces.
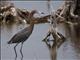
{"x":23,"y":35}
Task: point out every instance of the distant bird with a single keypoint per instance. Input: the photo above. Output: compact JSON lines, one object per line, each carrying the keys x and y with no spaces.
{"x":23,"y":35}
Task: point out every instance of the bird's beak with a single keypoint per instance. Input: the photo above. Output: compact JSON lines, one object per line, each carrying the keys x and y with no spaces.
{"x":38,"y":12}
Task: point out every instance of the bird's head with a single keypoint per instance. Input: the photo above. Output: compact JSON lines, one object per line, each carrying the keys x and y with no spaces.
{"x":36,"y":12}
{"x":31,"y":17}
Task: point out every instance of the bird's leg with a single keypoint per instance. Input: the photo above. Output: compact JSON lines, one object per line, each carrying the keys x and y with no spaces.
{"x":21,"y":51}
{"x":15,"y":51}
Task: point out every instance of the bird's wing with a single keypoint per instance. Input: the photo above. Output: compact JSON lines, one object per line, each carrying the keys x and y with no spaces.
{"x":21,"y":35}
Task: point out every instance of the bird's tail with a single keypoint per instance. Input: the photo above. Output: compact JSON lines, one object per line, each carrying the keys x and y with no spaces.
{"x":9,"y":42}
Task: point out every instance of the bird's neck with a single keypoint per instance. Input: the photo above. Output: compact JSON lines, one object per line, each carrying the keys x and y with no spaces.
{"x":32,"y":24}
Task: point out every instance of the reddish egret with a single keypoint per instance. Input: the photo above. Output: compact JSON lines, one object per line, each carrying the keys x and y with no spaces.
{"x":23,"y":35}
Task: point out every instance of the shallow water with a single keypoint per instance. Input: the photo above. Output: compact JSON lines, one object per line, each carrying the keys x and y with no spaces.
{"x":34,"y":48}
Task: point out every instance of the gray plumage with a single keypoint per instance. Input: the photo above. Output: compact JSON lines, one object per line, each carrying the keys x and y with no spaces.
{"x":22,"y":35}
{"x":25,"y":33}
